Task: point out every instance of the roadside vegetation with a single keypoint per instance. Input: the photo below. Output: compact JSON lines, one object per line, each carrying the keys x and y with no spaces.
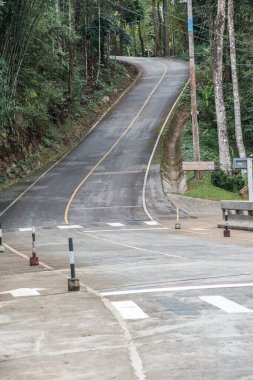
{"x":236,"y":128}
{"x":57,"y":74}
{"x":205,"y":189}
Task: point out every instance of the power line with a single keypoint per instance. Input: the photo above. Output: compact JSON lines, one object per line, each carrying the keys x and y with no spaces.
{"x":162,"y":24}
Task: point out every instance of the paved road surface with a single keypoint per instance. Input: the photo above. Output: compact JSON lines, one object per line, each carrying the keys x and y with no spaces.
{"x":110,"y":164}
{"x":155,"y":303}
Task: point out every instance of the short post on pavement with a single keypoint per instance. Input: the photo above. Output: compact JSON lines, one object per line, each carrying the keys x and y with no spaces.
{"x":2,"y":249}
{"x":250,"y":179}
{"x":177,"y":225}
{"x":226,"y":232}
{"x":73,"y":282}
{"x":34,"y":260}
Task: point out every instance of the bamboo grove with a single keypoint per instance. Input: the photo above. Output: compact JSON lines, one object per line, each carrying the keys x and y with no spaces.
{"x":56,"y":64}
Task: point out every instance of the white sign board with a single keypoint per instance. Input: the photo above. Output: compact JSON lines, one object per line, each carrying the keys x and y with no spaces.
{"x":198,"y":165}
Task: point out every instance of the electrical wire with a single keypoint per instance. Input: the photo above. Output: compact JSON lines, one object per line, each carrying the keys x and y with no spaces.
{"x":162,"y":24}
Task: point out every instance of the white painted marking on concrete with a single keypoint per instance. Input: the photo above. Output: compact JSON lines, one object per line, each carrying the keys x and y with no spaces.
{"x":152,"y":223}
{"x":129,"y":310}
{"x":122,"y":172}
{"x":26,"y":257}
{"x":129,"y":229}
{"x":113,"y":146}
{"x":28,"y":229}
{"x":67,"y":153}
{"x":153,"y":153}
{"x":131,"y":344}
{"x":24,"y":292}
{"x":69,"y":227}
{"x":225,"y":304}
{"x":176,"y":289}
{"x":198,"y":229}
{"x":102,"y":207}
{"x":116,"y":224}
{"x":131,"y":246}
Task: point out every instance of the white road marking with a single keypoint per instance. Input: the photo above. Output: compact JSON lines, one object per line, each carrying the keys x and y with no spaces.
{"x":198,"y":229}
{"x":128,"y":229}
{"x":67,"y":153}
{"x":153,"y":153}
{"x":167,"y":76}
{"x":28,"y":229}
{"x":119,"y":173}
{"x":26,"y":257}
{"x":102,"y":207}
{"x":152,"y":223}
{"x":176,"y":289}
{"x":129,"y":310}
{"x":113,"y":146}
{"x":116,"y":224}
{"x":225,"y":304}
{"x":24,"y":292}
{"x":131,"y":246}
{"x":69,"y":227}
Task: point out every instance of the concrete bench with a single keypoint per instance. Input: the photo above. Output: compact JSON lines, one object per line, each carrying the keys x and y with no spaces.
{"x":240,"y":215}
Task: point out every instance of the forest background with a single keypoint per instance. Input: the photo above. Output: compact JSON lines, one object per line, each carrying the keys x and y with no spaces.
{"x":57,"y":71}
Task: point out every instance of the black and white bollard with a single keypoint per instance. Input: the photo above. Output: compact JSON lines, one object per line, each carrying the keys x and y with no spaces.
{"x":177,"y":225}
{"x":34,"y":260}
{"x":2,"y":249}
{"x":73,"y":282}
{"x":226,"y":232}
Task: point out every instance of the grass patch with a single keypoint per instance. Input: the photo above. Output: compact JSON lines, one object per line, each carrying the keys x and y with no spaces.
{"x":204,"y":189}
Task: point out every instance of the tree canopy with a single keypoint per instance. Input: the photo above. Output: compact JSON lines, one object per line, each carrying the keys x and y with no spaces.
{"x":55,"y":59}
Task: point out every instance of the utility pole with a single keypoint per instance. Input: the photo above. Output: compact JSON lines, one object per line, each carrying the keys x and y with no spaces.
{"x":194,"y":112}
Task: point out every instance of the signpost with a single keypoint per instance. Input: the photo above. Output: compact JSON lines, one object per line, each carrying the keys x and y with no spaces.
{"x":246,"y":164}
{"x":240,"y":163}
{"x":198,"y":165}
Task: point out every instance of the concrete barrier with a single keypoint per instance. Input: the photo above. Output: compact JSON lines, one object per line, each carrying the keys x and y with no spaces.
{"x":240,"y":215}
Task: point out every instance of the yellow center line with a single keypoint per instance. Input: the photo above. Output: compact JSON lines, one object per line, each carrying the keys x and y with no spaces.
{"x":111,"y":149}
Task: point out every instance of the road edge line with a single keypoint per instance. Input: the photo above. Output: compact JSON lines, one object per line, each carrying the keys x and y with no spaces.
{"x":153,"y":153}
{"x":13,"y":250}
{"x":66,"y":219}
{"x":83,"y":138}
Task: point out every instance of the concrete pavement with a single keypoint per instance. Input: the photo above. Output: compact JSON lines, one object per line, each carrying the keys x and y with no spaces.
{"x":81,"y":335}
{"x":155,"y":302}
{"x":59,"y":335}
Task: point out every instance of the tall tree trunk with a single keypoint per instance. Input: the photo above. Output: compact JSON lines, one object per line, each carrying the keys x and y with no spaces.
{"x":236,"y":95}
{"x":134,"y":40}
{"x":225,"y":161}
{"x":210,"y":22}
{"x":160,"y":27}
{"x":71,"y":50}
{"x":166,"y":28}
{"x":155,"y":26}
{"x":121,"y":42}
{"x":141,"y":40}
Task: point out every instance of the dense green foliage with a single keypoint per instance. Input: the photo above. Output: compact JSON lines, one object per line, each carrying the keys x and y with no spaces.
{"x":54,"y":71}
{"x":204,"y":32}
{"x":55,"y":66}
{"x":204,"y":189}
{"x":228,"y":182}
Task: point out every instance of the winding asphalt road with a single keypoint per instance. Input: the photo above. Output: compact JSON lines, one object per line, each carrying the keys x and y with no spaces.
{"x":155,"y":303}
{"x":102,"y":179}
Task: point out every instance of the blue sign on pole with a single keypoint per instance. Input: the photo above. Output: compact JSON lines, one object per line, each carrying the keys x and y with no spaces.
{"x":190,"y":24}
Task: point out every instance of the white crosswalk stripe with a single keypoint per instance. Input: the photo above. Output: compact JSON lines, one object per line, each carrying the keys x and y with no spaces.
{"x":152,"y":223}
{"x":116,"y":224}
{"x":129,"y":310}
{"x":69,"y":227}
{"x":225,"y":304}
